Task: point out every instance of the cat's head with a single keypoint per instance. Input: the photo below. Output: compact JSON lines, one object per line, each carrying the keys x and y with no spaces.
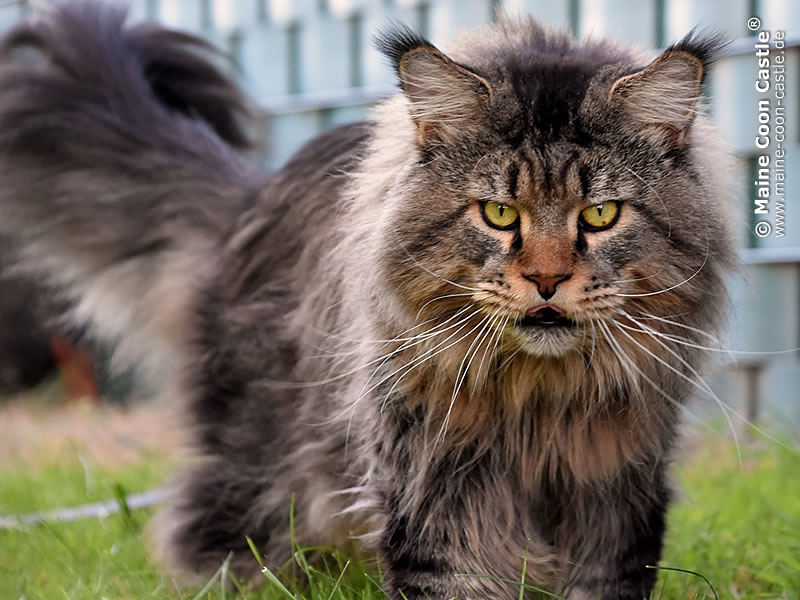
{"x":553,"y":186}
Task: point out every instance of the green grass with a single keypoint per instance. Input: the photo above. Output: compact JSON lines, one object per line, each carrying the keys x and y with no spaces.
{"x":737,"y":527}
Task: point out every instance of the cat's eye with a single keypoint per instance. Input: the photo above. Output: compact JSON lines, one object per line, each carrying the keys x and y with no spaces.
{"x":599,"y":216}
{"x":499,"y":215}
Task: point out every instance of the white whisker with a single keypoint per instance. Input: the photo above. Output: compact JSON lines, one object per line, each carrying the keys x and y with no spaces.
{"x":705,"y":388}
{"x":625,"y":361}
{"x":445,"y":297}
{"x":677,"y":285}
{"x":713,"y":338}
{"x":429,"y":272}
{"x":476,"y":343}
{"x":724,"y":406}
{"x":461,"y":324}
{"x":682,"y":341}
{"x":591,"y":354}
{"x":498,"y":333}
{"x":419,"y":339}
{"x":413,"y":364}
{"x":363,"y":393}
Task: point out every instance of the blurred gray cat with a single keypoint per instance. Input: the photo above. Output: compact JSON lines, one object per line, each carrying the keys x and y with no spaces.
{"x":463,"y":329}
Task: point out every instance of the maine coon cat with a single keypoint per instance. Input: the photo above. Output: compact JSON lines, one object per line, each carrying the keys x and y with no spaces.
{"x":461,"y":330}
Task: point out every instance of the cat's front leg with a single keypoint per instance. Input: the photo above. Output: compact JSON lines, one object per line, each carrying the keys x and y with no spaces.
{"x":443,"y":554}
{"x":421,"y":566}
{"x":450,"y":526}
{"x":621,"y":533}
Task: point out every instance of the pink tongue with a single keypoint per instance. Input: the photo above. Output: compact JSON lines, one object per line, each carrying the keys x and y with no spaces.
{"x":535,"y":309}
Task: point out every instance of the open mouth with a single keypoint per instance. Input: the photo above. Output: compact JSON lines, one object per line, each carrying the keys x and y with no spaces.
{"x":546,"y":315}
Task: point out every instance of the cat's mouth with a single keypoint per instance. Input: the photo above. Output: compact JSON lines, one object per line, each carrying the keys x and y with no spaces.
{"x":547,"y":316}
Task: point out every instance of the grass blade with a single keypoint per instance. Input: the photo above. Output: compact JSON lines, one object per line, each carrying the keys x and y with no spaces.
{"x":696,"y":574}
{"x":213,"y":581}
{"x":269,"y":575}
{"x":339,"y":580}
{"x":524,"y":571}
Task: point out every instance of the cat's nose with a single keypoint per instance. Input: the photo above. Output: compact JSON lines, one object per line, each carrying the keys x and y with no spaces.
{"x":547,"y":284}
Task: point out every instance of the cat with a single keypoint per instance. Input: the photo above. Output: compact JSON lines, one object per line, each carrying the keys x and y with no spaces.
{"x":461,"y":331}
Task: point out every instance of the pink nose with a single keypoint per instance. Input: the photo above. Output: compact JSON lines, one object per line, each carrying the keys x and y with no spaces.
{"x":547,"y":284}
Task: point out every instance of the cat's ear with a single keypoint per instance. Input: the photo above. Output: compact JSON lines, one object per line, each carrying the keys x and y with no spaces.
{"x":662,"y":98}
{"x":446,"y":99}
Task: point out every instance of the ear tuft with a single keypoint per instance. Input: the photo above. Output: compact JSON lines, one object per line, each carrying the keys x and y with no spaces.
{"x":663,"y":96}
{"x":446,"y":99}
{"x":706,"y":45}
{"x":396,"y":40}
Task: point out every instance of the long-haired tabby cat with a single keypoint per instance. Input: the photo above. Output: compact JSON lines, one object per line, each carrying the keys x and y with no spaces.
{"x":462,"y":329}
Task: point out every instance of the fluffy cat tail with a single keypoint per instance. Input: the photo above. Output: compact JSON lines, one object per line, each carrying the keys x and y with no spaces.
{"x":118,"y":167}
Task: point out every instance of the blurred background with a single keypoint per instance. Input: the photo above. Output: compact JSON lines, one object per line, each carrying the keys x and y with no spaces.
{"x":309,"y":65}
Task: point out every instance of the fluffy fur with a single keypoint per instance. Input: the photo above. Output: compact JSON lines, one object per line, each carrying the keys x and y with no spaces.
{"x":351,"y":332}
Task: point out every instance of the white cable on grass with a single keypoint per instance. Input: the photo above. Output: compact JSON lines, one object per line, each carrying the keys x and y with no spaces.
{"x":96,"y":510}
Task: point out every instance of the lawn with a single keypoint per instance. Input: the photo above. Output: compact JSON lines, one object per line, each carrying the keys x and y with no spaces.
{"x":736,"y":524}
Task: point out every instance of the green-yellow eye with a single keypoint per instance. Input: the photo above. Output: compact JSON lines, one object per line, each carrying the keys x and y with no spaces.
{"x":499,"y":215}
{"x":599,"y":216}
